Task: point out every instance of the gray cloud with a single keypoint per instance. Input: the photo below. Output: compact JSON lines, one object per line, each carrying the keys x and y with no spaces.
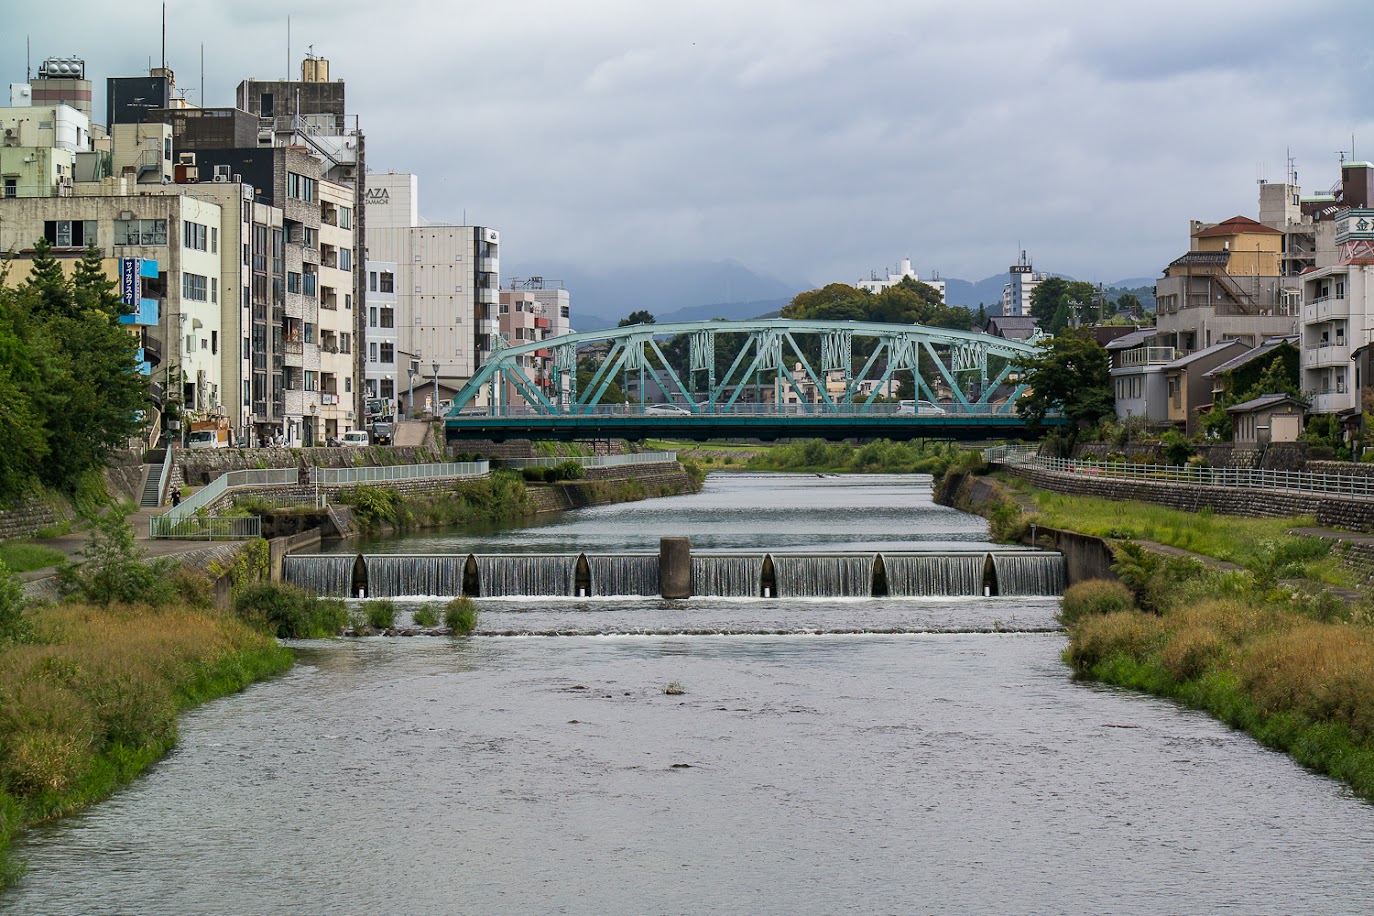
{"x":812,"y":140}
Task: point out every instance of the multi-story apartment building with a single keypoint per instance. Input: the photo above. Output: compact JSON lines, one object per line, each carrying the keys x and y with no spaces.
{"x":1016,"y":294}
{"x":1227,"y":286}
{"x":447,"y":282}
{"x":337,"y":332}
{"x":178,"y":232}
{"x":285,"y":263}
{"x":383,"y":370}
{"x":311,"y":113}
{"x":1337,"y":303}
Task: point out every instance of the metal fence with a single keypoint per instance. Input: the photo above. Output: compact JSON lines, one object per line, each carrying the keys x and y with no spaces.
{"x":199,"y":525}
{"x":594,"y":461}
{"x":329,"y":477}
{"x":1247,"y":478}
{"x":205,"y":527}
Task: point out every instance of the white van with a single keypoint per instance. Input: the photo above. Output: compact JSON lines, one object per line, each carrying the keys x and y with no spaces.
{"x":919,"y":408}
{"x":355,"y":437}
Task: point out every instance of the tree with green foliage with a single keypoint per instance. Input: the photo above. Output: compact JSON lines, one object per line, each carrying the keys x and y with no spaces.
{"x":1276,"y":374}
{"x":52,"y":289}
{"x":1055,"y":302}
{"x":70,"y":389}
{"x":637,"y":317}
{"x":1072,"y":376}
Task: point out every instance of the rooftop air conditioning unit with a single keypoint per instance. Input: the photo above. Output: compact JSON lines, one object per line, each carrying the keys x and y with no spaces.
{"x":186,"y":158}
{"x":221,"y":174}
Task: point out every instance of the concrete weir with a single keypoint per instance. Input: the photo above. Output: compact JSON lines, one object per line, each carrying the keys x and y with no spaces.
{"x":676,"y":573}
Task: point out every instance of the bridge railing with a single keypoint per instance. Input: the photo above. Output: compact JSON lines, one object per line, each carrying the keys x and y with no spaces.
{"x":1246,"y":478}
{"x":596,"y":461}
{"x":331,"y":477}
{"x":205,"y":528}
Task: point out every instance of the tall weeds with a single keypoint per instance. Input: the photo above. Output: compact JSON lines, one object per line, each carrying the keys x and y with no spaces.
{"x":93,"y":699}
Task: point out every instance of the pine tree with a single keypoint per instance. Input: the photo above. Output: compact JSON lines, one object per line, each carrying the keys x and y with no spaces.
{"x":49,"y":282}
{"x":95,"y":291}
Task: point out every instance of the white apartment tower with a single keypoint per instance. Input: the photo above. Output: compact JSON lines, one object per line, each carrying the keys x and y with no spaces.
{"x":1016,"y":294}
{"x":446,"y":281}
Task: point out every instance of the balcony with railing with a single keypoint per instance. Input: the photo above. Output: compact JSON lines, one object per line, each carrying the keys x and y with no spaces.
{"x":1333,"y":353}
{"x":1149,"y":356}
{"x":1325,"y":308}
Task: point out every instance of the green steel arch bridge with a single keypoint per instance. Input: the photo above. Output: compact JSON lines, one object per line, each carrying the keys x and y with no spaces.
{"x":762,"y":379}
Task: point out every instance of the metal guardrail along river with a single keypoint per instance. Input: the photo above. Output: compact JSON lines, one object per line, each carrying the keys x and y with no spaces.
{"x":1248,"y":478}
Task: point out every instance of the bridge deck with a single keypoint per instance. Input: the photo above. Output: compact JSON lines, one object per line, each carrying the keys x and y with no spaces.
{"x":700,"y":428}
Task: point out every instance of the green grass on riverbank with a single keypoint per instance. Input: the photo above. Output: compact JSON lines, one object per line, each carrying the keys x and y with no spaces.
{"x":1262,"y":664}
{"x":93,"y":700}
{"x":1246,"y":542}
{"x":21,"y":556}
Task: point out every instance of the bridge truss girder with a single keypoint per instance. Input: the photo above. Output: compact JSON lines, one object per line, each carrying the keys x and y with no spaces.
{"x":960,"y":358}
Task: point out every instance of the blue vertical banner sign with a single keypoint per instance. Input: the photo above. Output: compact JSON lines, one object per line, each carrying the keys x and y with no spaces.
{"x":130,"y":281}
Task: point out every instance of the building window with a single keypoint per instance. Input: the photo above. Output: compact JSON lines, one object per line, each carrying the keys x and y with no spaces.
{"x":345,"y":259}
{"x":388,"y":353}
{"x":194,"y":235}
{"x":310,"y":237}
{"x":372,"y":316}
{"x":11,"y":187}
{"x":388,"y":282}
{"x":388,"y":388}
{"x":372,"y":281}
{"x":388,"y":318}
{"x":299,"y":187}
{"x":214,"y":240}
{"x":348,"y":300}
{"x":194,"y":287}
{"x":345,"y":342}
{"x":310,"y":380}
{"x":348,"y":384}
{"x":140,"y":232}
{"x":345,"y":218}
{"x":372,"y":352}
{"x":69,"y":233}
{"x":293,"y":282}
{"x":214,"y":289}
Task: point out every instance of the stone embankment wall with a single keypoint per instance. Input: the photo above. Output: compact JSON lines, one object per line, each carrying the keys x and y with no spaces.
{"x":30,"y":514}
{"x":197,"y":467}
{"x":1353,"y":514}
{"x":1283,"y":456}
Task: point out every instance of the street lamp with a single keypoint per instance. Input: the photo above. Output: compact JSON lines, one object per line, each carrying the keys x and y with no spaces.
{"x":314,"y":409}
{"x":436,"y":389}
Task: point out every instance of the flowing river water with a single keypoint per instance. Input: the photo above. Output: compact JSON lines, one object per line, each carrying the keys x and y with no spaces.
{"x":825,"y":756}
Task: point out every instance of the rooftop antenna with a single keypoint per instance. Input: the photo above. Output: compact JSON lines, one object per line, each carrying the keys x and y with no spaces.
{"x":28,"y":67}
{"x":288,"y":46}
{"x":202,"y":74}
{"x":164,"y":37}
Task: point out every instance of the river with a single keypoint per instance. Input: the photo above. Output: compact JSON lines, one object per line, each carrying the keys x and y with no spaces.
{"x":824,"y":756}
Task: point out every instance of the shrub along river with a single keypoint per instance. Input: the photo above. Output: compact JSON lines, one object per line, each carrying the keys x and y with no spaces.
{"x":825,"y":754}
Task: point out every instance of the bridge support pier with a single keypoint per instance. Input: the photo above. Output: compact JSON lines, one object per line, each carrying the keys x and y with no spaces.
{"x":675,"y":567}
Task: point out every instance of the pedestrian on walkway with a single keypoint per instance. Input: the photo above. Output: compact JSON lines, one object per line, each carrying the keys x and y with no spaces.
{"x":176,"y":496}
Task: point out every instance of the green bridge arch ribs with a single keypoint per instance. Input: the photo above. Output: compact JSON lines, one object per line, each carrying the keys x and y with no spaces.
{"x":959,"y":359}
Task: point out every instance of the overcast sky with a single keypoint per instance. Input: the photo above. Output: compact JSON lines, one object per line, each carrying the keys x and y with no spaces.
{"x":813,"y":140}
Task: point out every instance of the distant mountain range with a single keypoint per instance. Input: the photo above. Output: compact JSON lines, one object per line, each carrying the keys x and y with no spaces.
{"x":701,"y":290}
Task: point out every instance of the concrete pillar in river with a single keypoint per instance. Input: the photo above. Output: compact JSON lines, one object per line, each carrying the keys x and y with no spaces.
{"x":675,"y":567}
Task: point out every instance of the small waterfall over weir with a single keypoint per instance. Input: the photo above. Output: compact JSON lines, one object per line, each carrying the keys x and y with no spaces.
{"x":1029,"y":574}
{"x":391,"y":575}
{"x":509,"y":575}
{"x":727,"y":577}
{"x":823,"y":577}
{"x":627,"y":574}
{"x":1010,"y":574}
{"x":934,"y":576}
{"x":327,"y":576}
